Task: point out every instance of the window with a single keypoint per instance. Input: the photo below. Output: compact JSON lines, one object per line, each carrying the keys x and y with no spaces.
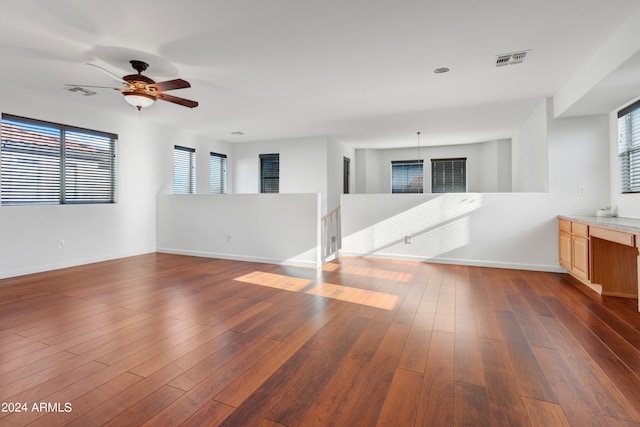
{"x":449,"y":175}
{"x":407,"y":176}
{"x":49,"y":163}
{"x":269,"y":173}
{"x":184,"y":170}
{"x":346,"y":172}
{"x":629,"y":147}
{"x":217,"y":173}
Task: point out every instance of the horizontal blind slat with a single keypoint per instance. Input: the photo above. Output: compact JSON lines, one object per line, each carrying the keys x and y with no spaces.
{"x":43,"y":162}
{"x":183,"y":170}
{"x":448,"y":175}
{"x":629,"y":150}
{"x":217,"y":173}
{"x":407,"y":176}
{"x":269,"y":173}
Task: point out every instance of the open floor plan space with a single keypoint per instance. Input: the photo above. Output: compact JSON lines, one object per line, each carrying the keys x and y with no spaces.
{"x":172,"y":340}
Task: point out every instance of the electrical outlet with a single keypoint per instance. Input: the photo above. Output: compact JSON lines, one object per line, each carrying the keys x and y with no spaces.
{"x":228,"y":238}
{"x":60,"y":244}
{"x":407,"y":240}
{"x":580,"y":191}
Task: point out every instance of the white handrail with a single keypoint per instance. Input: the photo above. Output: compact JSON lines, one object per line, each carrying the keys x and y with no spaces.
{"x":331,"y":238}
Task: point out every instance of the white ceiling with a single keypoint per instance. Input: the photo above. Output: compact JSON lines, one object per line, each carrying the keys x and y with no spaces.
{"x":360,"y":71}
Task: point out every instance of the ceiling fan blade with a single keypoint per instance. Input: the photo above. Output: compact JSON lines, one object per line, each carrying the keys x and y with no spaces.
{"x":96,"y":87}
{"x":108,"y":73}
{"x":171,"y":85}
{"x":176,"y":100}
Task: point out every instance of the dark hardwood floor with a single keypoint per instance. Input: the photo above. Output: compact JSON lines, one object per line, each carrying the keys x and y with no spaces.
{"x":169,"y":340}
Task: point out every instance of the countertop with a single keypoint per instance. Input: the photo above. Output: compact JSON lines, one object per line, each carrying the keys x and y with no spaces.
{"x":631,"y":225}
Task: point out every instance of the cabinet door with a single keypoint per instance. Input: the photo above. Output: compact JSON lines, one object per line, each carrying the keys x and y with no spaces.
{"x":564,"y":250}
{"x":580,"y":257}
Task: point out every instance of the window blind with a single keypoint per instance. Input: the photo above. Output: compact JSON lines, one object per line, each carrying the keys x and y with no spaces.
{"x":217,"y":173}
{"x":89,"y":169}
{"x":629,"y":147}
{"x":449,"y":175}
{"x":346,"y":174}
{"x":48,"y":163}
{"x":407,"y":176}
{"x":184,"y":176}
{"x":269,"y":173}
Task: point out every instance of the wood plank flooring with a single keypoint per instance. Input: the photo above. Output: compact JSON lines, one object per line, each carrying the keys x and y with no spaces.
{"x":168,"y":340}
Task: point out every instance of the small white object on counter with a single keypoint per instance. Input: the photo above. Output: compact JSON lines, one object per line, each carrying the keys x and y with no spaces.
{"x":605,"y":211}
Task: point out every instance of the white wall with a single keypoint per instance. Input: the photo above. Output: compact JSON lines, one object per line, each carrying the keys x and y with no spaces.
{"x":272,"y":228}
{"x":368,"y":177}
{"x":505,"y":171}
{"x":204,"y":146}
{"x":529,"y":151}
{"x":511,"y":230}
{"x":336,"y":152}
{"x":303,"y":165}
{"x":579,"y":159}
{"x":486,"y":167}
{"x":29,"y":234}
{"x":505,"y":230}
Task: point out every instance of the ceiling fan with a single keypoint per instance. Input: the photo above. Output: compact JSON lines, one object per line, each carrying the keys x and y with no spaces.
{"x":141,"y":91}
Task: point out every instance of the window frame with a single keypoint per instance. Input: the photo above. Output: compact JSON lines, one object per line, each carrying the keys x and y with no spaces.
{"x":346,"y":175}
{"x":189,"y":185}
{"x":629,"y":148}
{"x":407,"y":166}
{"x":269,"y":184}
{"x":439,"y":187}
{"x":219,"y":187}
{"x":92,"y":152}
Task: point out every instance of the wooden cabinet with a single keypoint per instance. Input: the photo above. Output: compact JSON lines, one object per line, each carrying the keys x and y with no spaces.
{"x":564,"y":249}
{"x":580,"y":257}
{"x":604,"y":258}
{"x":573,"y":248}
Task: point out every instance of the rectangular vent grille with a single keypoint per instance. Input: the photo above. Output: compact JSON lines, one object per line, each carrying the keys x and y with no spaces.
{"x":503,"y":60}
{"x":510,"y":58}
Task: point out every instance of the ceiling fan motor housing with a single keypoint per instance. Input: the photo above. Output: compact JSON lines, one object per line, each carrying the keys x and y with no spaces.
{"x":138,"y":81}
{"x":139,"y":66}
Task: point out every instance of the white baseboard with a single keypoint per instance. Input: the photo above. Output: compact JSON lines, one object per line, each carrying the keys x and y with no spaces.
{"x":65,"y":264}
{"x":469,"y":262}
{"x":236,"y":257}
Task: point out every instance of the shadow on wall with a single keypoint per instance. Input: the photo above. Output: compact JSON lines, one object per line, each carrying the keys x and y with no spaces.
{"x":428,"y":230}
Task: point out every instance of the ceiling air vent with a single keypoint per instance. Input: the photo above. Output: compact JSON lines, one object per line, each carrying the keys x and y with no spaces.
{"x":510,"y":58}
{"x":84,"y":91}
{"x":503,"y":60}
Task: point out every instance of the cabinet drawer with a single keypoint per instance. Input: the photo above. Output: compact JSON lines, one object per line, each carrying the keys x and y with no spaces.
{"x":616,"y":236}
{"x":579,"y":229}
{"x":564,"y":225}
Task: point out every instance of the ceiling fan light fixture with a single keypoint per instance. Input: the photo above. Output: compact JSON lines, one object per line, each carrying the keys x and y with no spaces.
{"x":139,"y":100}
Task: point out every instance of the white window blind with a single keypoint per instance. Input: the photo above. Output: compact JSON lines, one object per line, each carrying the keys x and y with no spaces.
{"x":49,"y":163}
{"x":269,"y":173}
{"x":629,"y":147}
{"x":407,"y":176}
{"x":184,"y":173}
{"x":449,"y":175}
{"x":88,"y":168}
{"x":217,"y":173}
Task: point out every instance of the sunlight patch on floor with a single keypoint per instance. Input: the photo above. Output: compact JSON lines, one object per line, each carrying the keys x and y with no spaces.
{"x":272,"y":280}
{"x":327,"y":290}
{"x":376,"y":273}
